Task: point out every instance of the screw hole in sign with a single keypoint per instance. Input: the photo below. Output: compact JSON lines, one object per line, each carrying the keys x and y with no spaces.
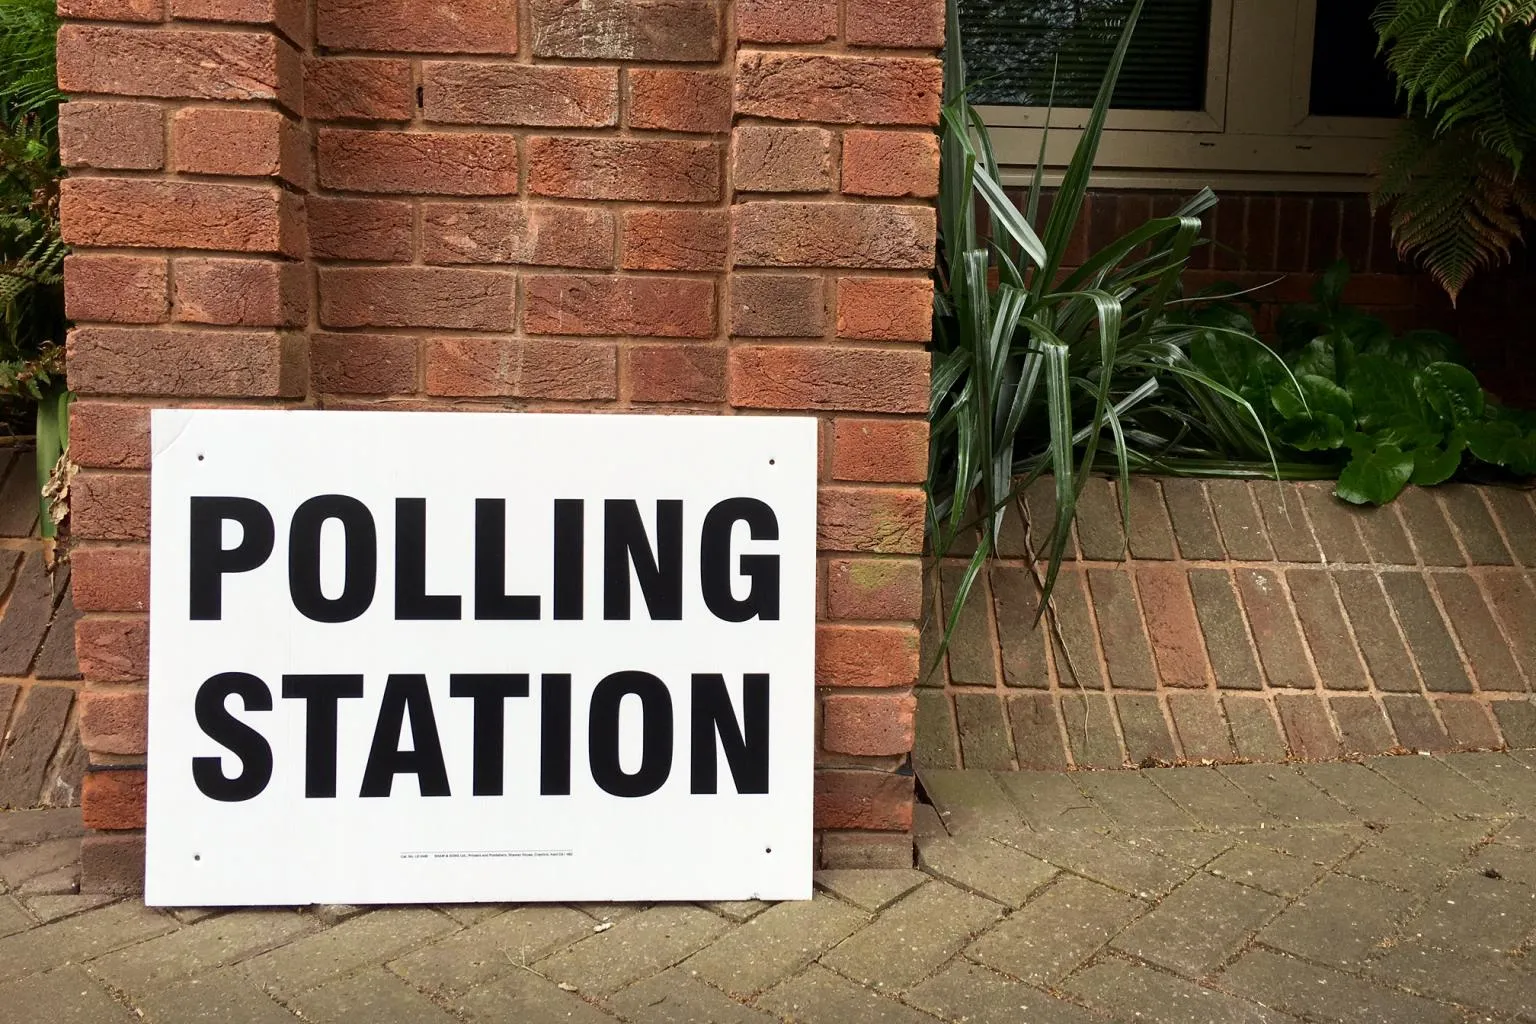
{"x":768,"y":850}
{"x":770,"y":462}
{"x":199,"y":458}
{"x":197,"y":856}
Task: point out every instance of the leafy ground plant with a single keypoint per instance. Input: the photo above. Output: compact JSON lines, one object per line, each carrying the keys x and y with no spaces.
{"x":1039,"y":369}
{"x":1378,"y":410}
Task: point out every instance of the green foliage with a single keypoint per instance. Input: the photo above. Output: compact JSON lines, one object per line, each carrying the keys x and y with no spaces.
{"x":32,"y":253}
{"x":1037,"y":370}
{"x":1381,"y":411}
{"x":1453,"y":180}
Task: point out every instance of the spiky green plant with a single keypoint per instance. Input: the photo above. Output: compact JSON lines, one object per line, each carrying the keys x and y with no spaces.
{"x":1455,"y":180}
{"x":1041,"y":370}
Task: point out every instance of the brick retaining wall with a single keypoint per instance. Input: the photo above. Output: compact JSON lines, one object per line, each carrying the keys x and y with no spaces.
{"x":1245,"y":621}
{"x":692,"y":206}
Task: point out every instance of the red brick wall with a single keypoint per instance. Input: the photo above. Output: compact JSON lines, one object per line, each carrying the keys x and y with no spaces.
{"x":491,"y":204}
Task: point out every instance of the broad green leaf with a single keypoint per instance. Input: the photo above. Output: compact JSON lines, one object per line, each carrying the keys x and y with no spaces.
{"x":1452,"y":392}
{"x":1377,"y":477}
{"x":1312,"y":431}
{"x":1435,"y":465}
{"x":1330,"y":286}
{"x":1383,"y":392}
{"x":1494,"y":441}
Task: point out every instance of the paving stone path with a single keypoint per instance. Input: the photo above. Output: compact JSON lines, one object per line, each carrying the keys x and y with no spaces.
{"x":1398,"y":889}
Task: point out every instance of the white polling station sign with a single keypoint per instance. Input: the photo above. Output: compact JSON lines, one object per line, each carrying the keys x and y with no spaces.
{"x":420,"y":657}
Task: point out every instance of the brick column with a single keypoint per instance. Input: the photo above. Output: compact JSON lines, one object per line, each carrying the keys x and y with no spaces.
{"x":535,"y":205}
{"x":184,"y":208}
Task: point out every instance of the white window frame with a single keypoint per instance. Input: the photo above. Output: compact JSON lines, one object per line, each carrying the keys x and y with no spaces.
{"x":1255,"y":132}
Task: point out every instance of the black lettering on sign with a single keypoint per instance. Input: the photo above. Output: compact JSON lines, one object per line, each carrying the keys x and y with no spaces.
{"x":491,"y":598}
{"x":321,"y":696}
{"x":656,"y":734}
{"x":660,"y":572}
{"x":244,"y":742}
{"x":555,"y":734}
{"x":762,"y":600}
{"x":745,"y":742}
{"x":489,"y":692}
{"x":208,"y":560}
{"x":570,"y":558}
{"x":412,"y":602}
{"x":361,"y":573}
{"x":405,"y":694}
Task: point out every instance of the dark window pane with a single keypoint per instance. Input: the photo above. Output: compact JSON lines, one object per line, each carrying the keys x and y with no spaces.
{"x":1014,"y":47}
{"x":1349,"y":79}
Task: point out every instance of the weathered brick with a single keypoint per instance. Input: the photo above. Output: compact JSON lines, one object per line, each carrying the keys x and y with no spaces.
{"x":241,"y":293}
{"x":885,"y":308}
{"x":1242,"y":531}
{"x":31,"y":741}
{"x":1147,"y":739}
{"x":138,"y":361}
{"x":179,"y":215}
{"x":659,"y":307}
{"x":173,"y":63}
{"x":1517,"y":721}
{"x":1515,"y":513}
{"x":1386,"y":657}
{"x":1036,"y":732}
{"x":1363,"y":727}
{"x":108,"y":435}
{"x":1285,"y":521}
{"x":286,"y":15}
{"x":1194,"y":526}
{"x":1151,"y":536}
{"x":786,"y":21}
{"x":912,"y":24}
{"x":112,"y":863}
{"x":357,"y":88}
{"x":113,"y":10}
{"x":860,"y":235}
{"x":113,"y":650}
{"x":679,"y":101}
{"x":781,"y":158}
{"x":460,"y":92}
{"x":1201,"y":726}
{"x":1384,"y":535}
{"x":568,"y":371}
{"x":1075,"y":650}
{"x":364,"y":364}
{"x":430,"y":163}
{"x":1221,"y":621}
{"x":1474,"y":524}
{"x":1414,"y":722}
{"x":1333,"y":524}
{"x":1100,"y":522}
{"x":465,"y":26}
{"x":880,"y":451}
{"x":110,"y":579}
{"x":1016,"y":597}
{"x":1090,"y":727}
{"x":676,"y":373}
{"x":1468,"y":724}
{"x":893,"y":164}
{"x":867,"y":725}
{"x":983,"y":731}
{"x":111,"y":506}
{"x":778,"y":306}
{"x":838,"y":88}
{"x":1485,"y":647}
{"x":1281,"y":651}
{"x":231,"y":140}
{"x":865,"y":850}
{"x":859,"y":655}
{"x":1121,"y":631}
{"x":359,"y":229}
{"x":637,"y":30}
{"x":114,"y":721}
{"x":113,"y":799}
{"x":875,"y":588}
{"x":1172,"y":626}
{"x":879,"y":801}
{"x":1514,"y":602}
{"x":675,"y":239}
{"x":882,"y":521}
{"x":1327,"y":633}
{"x":1439,"y":662}
{"x":510,"y":233}
{"x":417,"y":297}
{"x":637,"y":170}
{"x":851,"y":379}
{"x":111,"y":135}
{"x":1432,"y":535}
{"x":121,"y":289}
{"x":971,"y":657}
{"x":1254,"y":732}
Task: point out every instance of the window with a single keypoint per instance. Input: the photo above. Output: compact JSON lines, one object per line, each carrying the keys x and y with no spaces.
{"x":1240,"y":93}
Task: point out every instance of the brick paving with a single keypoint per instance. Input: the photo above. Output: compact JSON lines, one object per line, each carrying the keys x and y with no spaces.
{"x":1380,"y":891}
{"x":1241,"y":621}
